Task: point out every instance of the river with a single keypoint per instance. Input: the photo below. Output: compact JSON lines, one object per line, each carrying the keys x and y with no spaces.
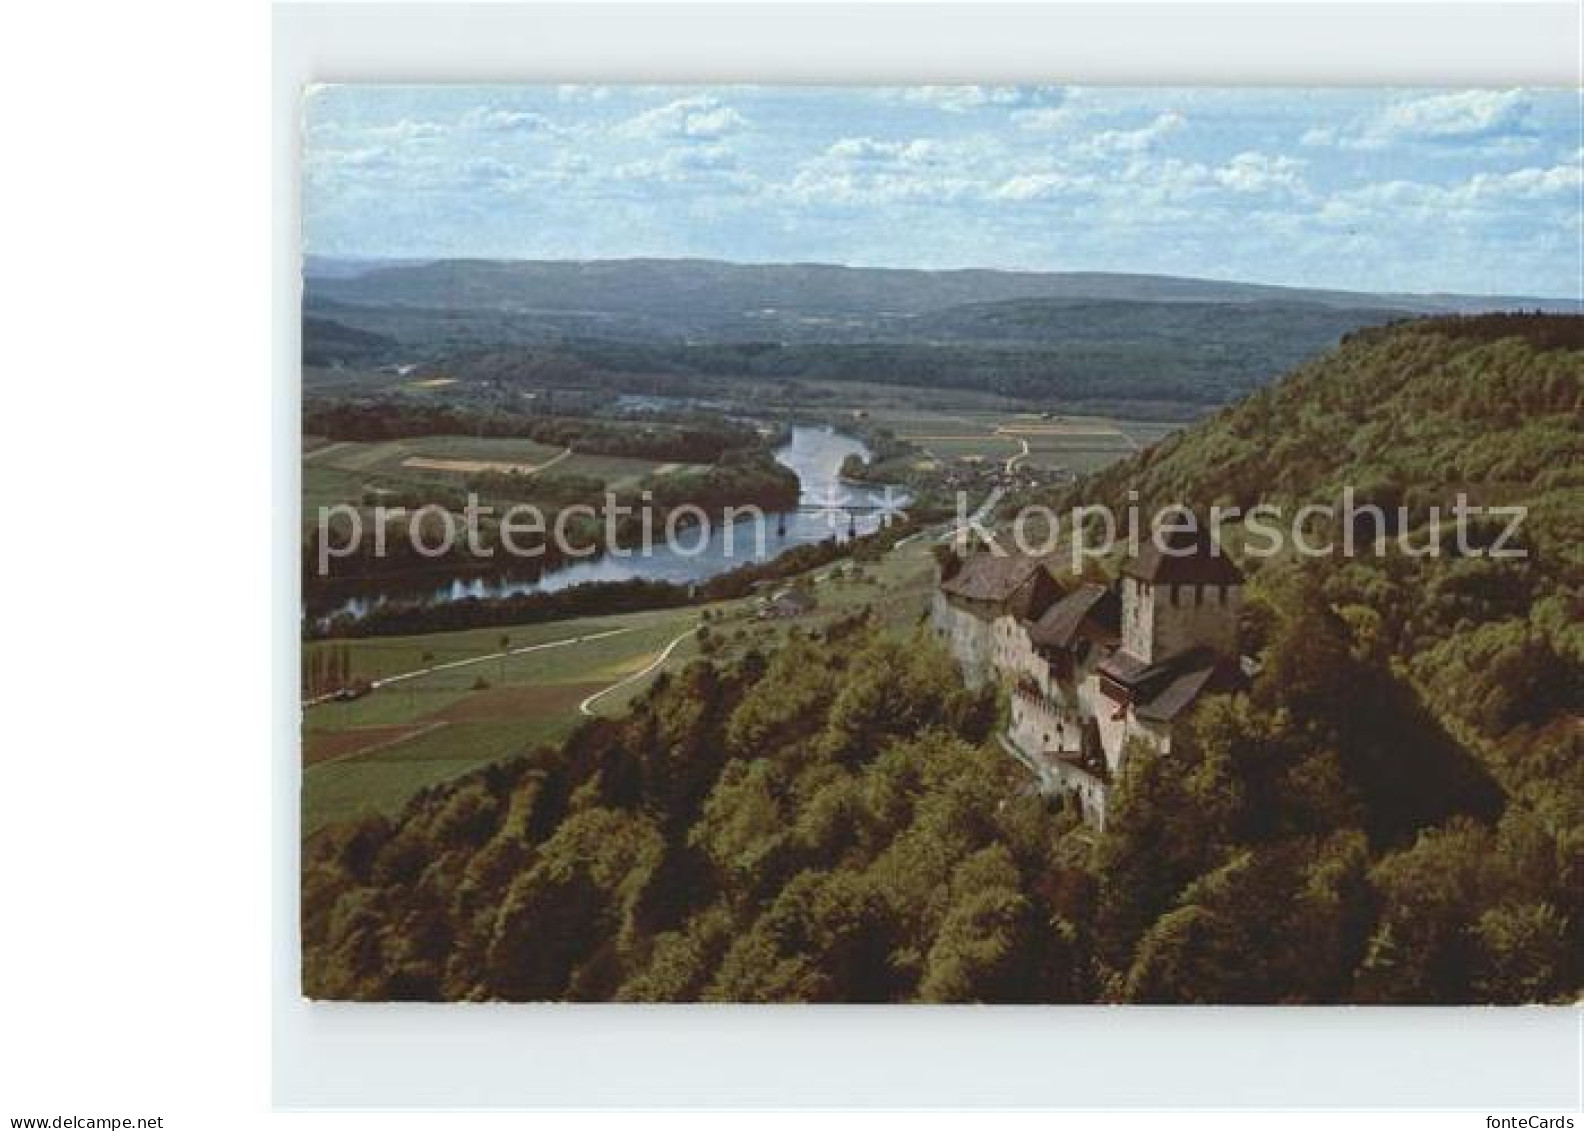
{"x":814,"y":454}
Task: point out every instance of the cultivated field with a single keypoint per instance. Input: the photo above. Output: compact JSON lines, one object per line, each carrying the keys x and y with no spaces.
{"x":341,"y":471}
{"x":1077,"y":443}
{"x":474,"y":705}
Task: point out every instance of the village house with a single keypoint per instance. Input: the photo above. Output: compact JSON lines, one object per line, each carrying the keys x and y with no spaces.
{"x":1089,"y":668}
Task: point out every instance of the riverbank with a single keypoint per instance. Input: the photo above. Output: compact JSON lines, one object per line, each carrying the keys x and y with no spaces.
{"x":596,"y":598}
{"x":828,"y":507}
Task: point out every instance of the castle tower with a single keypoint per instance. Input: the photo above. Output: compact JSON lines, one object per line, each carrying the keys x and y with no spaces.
{"x":1181,"y":592}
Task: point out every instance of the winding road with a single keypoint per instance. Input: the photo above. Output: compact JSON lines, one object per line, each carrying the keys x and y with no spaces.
{"x":586,"y":707}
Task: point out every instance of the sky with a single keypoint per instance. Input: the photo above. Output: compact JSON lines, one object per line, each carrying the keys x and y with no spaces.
{"x":1474,"y":191}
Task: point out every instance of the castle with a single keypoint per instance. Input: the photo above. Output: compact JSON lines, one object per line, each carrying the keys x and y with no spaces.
{"x":1090,"y":667}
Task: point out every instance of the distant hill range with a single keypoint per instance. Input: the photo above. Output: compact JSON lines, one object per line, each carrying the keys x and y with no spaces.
{"x":1153,"y":337}
{"x":813,"y":297}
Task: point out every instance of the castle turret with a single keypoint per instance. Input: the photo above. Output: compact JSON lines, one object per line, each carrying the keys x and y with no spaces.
{"x":1181,"y":592}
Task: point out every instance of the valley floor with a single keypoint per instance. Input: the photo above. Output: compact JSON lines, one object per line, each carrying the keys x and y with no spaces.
{"x":447,"y":703}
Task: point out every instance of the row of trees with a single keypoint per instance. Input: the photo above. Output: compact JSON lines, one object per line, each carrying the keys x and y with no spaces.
{"x":703,"y":438}
{"x":326,"y":669}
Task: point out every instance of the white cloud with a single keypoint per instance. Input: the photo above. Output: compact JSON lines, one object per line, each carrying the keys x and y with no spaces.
{"x":487,"y":172}
{"x":1110,"y":142}
{"x":863,"y":170}
{"x":396,"y":133}
{"x":373,"y":158}
{"x":701,"y":117}
{"x":1468,"y":113}
{"x":1497,"y":121}
{"x":582,"y":93}
{"x":505,"y":121}
{"x":1512,"y":192}
{"x":1046,"y":118}
{"x":1175,"y":181}
{"x":1525,"y":184}
{"x":866,"y":149}
{"x":410,"y":170}
{"x":1260,"y":172}
{"x":961,"y":99}
{"x":1041,"y":186}
{"x":1117,"y":168}
{"x":683,"y":163}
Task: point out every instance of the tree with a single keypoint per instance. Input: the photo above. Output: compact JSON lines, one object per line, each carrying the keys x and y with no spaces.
{"x":1156,"y":842}
{"x":1524,"y":954}
{"x":1424,"y":949}
{"x":985,"y":949}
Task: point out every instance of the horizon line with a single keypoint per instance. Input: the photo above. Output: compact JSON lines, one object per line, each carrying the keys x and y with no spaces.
{"x":360,"y":257}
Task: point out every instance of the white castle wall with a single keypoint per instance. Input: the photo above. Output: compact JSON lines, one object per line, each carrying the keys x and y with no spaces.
{"x":1157,"y":621}
{"x":965,"y":636}
{"x":1138,"y":621}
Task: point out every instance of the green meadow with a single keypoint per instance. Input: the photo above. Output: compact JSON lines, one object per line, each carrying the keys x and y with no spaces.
{"x":474,"y":705}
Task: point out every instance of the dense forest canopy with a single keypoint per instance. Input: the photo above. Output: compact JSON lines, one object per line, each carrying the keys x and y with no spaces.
{"x":1160,"y":353}
{"x":1391,"y":814}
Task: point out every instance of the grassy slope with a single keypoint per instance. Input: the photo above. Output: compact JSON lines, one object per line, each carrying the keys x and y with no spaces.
{"x":421,"y":731}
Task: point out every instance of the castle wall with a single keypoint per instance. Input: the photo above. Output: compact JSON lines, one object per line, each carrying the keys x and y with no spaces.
{"x":1138,"y":621}
{"x":1040,"y":726}
{"x":1113,"y":730}
{"x":966,"y":636}
{"x":1048,"y":715}
{"x":1116,"y":733}
{"x":1069,"y":780}
{"x":1159,"y":620}
{"x":1189,"y":616}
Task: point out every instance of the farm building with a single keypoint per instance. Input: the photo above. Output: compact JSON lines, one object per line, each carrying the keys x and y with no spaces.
{"x":787,"y":603}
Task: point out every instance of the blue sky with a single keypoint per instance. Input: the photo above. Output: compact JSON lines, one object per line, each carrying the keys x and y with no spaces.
{"x":1478,"y":191}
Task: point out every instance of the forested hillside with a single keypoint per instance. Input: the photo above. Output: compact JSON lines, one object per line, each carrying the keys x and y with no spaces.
{"x":1176,"y":352}
{"x":1478,"y":661}
{"x":1391,"y":814}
